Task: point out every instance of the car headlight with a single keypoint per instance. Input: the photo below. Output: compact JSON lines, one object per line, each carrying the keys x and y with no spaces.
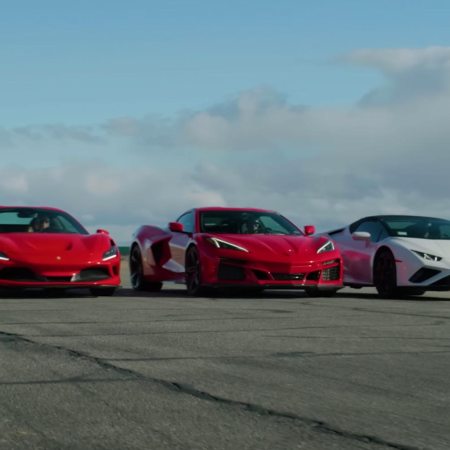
{"x":327,"y":247}
{"x":3,"y":257}
{"x":113,"y":252}
{"x":219,"y":243}
{"x":427,"y":256}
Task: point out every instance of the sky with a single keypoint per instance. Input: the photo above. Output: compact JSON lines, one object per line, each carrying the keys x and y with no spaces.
{"x":130,"y":113}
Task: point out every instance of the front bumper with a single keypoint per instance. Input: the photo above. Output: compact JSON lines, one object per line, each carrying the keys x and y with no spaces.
{"x":90,"y":274}
{"x":434,"y":277}
{"x":224,"y":272}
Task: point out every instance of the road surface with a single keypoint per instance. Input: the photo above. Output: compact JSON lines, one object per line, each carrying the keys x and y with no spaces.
{"x":276,"y":371}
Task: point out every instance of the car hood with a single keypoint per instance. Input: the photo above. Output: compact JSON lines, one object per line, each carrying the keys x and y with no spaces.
{"x":43,"y":245}
{"x":437,"y":247}
{"x":274,"y":246}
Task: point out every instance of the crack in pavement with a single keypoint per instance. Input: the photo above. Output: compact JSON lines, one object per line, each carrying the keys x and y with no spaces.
{"x":317,"y":425}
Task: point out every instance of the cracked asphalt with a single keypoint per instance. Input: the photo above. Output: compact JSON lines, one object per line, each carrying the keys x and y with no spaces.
{"x":277,"y":371}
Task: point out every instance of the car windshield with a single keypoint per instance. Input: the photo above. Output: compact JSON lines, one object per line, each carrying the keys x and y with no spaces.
{"x":417,"y":227}
{"x":246,"y":222}
{"x":38,"y":220}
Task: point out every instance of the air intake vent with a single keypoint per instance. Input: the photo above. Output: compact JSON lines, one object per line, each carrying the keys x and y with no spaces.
{"x":423,"y":274}
{"x":331,"y":274}
{"x":18,"y":274}
{"x":230,"y":273}
{"x":92,"y":275}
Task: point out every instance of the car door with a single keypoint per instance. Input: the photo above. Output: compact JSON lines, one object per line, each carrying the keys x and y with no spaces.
{"x":359,"y":254}
{"x":181,"y":239}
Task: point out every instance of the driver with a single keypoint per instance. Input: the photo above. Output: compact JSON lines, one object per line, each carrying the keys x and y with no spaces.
{"x":253,"y":226}
{"x":39,"y":224}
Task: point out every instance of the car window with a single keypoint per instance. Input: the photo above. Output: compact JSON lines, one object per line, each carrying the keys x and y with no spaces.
{"x":27,"y":220}
{"x":188,"y":221}
{"x":445,"y":230}
{"x":375,"y":229}
{"x":246,"y":222}
{"x":418,"y":227}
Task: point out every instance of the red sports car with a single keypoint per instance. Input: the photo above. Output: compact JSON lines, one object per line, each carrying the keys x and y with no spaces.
{"x":47,"y":248}
{"x":221,"y":247}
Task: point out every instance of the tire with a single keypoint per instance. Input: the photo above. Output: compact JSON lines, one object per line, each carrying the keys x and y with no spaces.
{"x":138,"y":282}
{"x":193,"y":273}
{"x":315,"y":292}
{"x":385,"y":274}
{"x":103,"y":291}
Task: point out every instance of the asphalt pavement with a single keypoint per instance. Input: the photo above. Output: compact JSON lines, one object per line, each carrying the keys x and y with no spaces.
{"x":275,"y":371}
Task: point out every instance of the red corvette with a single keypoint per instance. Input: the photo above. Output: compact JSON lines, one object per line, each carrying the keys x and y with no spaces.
{"x":47,"y":248}
{"x":220,"y":247}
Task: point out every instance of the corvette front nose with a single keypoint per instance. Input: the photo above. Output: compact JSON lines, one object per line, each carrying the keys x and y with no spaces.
{"x":238,"y":271}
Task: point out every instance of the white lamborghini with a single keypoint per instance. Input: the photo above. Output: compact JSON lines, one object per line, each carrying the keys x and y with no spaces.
{"x":399,"y":255}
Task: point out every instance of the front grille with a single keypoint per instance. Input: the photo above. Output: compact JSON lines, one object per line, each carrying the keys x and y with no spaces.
{"x":230,"y":273}
{"x":58,"y":279}
{"x":288,"y":276}
{"x":331,"y":274}
{"x":96,"y":274}
{"x":27,"y":275}
{"x":423,"y":274}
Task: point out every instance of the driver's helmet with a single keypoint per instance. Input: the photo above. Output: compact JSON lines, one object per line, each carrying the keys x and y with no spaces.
{"x":253,"y":225}
{"x":40,"y":222}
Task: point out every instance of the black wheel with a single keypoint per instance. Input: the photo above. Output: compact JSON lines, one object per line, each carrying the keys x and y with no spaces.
{"x":315,"y":292}
{"x":385,"y":274}
{"x":103,"y":291}
{"x":136,"y":270}
{"x":137,"y":273}
{"x":193,"y":272}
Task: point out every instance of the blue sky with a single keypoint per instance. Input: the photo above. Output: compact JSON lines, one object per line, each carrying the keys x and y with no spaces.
{"x":131,"y":112}
{"x":91,"y":60}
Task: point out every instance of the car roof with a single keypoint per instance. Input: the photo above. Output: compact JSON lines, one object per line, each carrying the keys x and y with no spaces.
{"x":397,"y":216}
{"x":227,"y":208}
{"x":48,"y":208}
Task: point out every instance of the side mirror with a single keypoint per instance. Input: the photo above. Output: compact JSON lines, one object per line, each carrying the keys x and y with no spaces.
{"x":361,"y":236}
{"x":177,"y":227}
{"x":309,"y":229}
{"x":102,"y":231}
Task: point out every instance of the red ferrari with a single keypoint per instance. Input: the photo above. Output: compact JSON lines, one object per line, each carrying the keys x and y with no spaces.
{"x":44,"y":247}
{"x":234,"y":247}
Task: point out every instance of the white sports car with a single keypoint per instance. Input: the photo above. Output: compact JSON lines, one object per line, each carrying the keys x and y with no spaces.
{"x":396,"y":254}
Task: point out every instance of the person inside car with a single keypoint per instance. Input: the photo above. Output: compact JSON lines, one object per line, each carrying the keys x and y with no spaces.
{"x":252,"y":226}
{"x":39,"y":224}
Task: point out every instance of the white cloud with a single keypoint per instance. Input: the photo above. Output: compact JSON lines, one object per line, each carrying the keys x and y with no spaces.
{"x":411,"y":73}
{"x":396,"y":61}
